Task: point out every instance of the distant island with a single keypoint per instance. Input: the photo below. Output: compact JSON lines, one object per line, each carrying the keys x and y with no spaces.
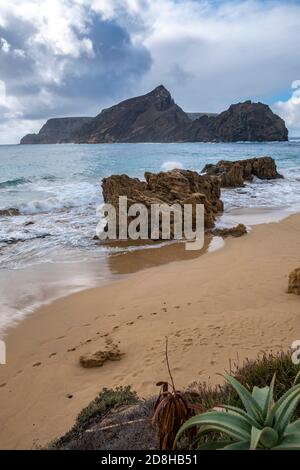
{"x":155,"y":117}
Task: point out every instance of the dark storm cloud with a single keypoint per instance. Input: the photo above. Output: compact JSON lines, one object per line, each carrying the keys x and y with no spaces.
{"x":85,"y":82}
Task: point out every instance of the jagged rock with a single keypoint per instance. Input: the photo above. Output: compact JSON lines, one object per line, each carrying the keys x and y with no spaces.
{"x":155,"y":117}
{"x":237,"y":231}
{"x":294,"y":282}
{"x":246,"y":121}
{"x":57,"y":131}
{"x":172,"y":187}
{"x":98,"y":358}
{"x":234,"y":174}
{"x":9,"y":212}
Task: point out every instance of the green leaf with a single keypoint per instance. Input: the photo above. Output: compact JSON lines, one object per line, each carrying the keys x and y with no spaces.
{"x":270,"y":398}
{"x":293,"y":427}
{"x":297,"y":378}
{"x":260,"y":395}
{"x":242,"y":445}
{"x":240,"y":412}
{"x":255,"y":437}
{"x":286,"y":409}
{"x":248,"y":401}
{"x":282,"y":404}
{"x":216,"y":445}
{"x":289,"y":442}
{"x":234,"y":426}
{"x":267,"y":437}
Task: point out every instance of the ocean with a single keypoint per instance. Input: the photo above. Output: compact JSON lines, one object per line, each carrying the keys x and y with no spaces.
{"x":57,"y":188}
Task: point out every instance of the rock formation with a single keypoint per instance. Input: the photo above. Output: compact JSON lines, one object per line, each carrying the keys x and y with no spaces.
{"x":173,"y":187}
{"x":57,"y":131}
{"x":236,"y":232}
{"x":234,"y":174}
{"x":98,"y":358}
{"x":294,"y":282}
{"x":155,"y":117}
{"x":253,"y":122}
{"x":9,"y":212}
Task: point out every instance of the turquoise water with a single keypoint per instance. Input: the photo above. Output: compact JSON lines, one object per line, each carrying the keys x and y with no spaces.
{"x":57,"y":189}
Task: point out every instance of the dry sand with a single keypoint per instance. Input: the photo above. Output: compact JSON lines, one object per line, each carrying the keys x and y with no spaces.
{"x":230,"y":304}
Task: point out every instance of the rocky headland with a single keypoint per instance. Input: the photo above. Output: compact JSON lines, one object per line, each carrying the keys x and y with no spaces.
{"x":155,"y":117}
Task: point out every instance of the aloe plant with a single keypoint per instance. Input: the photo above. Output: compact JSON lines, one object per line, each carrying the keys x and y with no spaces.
{"x":261,"y":424}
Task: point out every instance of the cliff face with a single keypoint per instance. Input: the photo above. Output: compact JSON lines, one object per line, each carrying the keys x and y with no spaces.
{"x":155,"y":117}
{"x":150,"y":118}
{"x":57,"y":131}
{"x":241,"y":122}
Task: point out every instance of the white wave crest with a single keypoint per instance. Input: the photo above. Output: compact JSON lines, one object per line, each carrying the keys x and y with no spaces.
{"x":171,"y":165}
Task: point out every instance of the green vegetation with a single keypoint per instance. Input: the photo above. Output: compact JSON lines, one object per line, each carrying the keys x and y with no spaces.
{"x":260,"y":424}
{"x":105,"y":401}
{"x":199,"y":397}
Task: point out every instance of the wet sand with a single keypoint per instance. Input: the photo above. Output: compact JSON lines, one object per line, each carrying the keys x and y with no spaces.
{"x":225,"y":305}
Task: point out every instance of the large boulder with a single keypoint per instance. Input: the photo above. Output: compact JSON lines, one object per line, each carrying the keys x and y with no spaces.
{"x":234,"y":174}
{"x":294,"y":282}
{"x":172,"y":187}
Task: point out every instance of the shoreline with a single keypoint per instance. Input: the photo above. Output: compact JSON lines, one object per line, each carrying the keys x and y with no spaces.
{"x":228,"y":305}
{"x":55,"y":280}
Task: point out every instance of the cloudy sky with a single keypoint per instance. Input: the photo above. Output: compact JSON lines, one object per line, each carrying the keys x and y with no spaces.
{"x":74,"y":57}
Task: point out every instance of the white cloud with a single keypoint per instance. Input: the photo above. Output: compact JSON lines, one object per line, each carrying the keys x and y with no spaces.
{"x":4,"y":45}
{"x":208,"y":53}
{"x":290,"y":110}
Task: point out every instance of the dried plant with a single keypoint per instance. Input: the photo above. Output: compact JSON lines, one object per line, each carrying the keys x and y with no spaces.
{"x":171,"y":410}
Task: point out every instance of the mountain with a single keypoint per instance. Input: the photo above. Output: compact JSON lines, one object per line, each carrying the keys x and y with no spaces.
{"x":57,"y":131}
{"x":155,"y":117}
{"x":254,"y":122}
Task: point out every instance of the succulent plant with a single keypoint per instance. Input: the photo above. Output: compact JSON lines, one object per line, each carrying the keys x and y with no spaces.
{"x":261,"y":424}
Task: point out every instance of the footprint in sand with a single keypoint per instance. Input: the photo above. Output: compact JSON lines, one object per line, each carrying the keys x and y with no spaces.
{"x":60,"y":337}
{"x":69,"y":396}
{"x":37,"y":364}
{"x":153,"y":313}
{"x":177,"y":306}
{"x":164,"y":309}
{"x":52,"y":354}
{"x":116,"y":327}
{"x":130,"y":323}
{"x":139,"y":317}
{"x":3,"y":385}
{"x":71,"y":349}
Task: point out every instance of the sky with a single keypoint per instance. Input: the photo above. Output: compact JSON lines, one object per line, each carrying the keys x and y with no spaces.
{"x":76,"y":57}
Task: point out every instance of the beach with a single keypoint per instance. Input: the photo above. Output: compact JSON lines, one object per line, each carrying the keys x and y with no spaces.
{"x":216,"y":309}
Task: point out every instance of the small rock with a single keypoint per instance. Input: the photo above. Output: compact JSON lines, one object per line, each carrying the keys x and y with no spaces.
{"x":237,"y":231}
{"x":98,"y":358}
{"x":294,"y":282}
